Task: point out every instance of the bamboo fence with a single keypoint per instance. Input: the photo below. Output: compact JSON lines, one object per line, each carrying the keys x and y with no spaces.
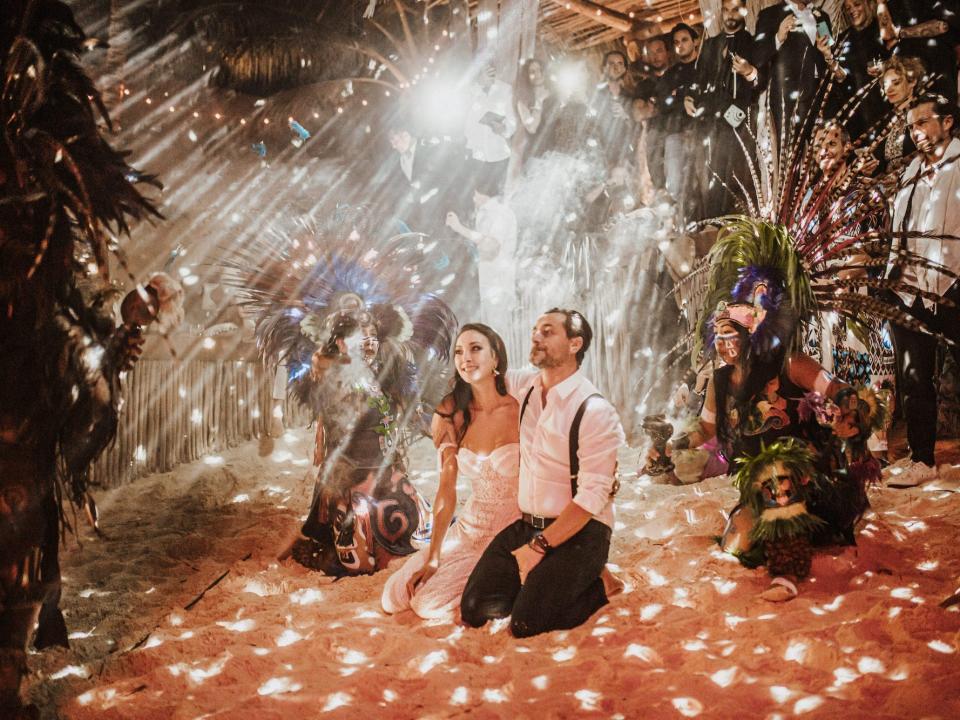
{"x":176,"y":413}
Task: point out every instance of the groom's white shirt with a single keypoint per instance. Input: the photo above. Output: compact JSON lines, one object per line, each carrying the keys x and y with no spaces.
{"x":545,"y":450}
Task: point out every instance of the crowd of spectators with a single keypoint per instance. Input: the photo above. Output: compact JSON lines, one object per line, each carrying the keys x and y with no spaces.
{"x":691,"y":122}
{"x":681,"y":113}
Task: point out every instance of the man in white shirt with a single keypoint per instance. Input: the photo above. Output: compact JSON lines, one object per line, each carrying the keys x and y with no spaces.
{"x":928,"y":202}
{"x":545,"y":569}
{"x":495,"y":239}
{"x":490,"y":123}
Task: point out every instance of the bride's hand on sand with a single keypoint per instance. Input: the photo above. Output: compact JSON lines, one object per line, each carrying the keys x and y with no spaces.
{"x":527,"y":560}
{"x":417,"y":580}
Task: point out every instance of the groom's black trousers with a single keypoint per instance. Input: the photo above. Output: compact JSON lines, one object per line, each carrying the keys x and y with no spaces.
{"x":561,"y":592}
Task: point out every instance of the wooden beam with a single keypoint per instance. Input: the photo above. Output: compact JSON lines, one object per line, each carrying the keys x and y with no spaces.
{"x":599,"y":14}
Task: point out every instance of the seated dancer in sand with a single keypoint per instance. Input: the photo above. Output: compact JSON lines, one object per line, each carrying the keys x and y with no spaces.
{"x":755,"y":399}
{"x":357,"y":341}
{"x":476,"y":435}
{"x":545,"y":570}
{"x":768,"y":403}
{"x":364,"y":510}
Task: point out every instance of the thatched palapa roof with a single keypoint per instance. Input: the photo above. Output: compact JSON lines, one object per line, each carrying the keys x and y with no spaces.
{"x":579,"y":24}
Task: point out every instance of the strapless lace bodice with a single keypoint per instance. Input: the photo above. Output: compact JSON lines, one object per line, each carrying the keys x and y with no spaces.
{"x":494,"y":484}
{"x":493,"y":477}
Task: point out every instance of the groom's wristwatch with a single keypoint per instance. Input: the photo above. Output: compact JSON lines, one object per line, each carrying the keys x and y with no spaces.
{"x":541,"y":544}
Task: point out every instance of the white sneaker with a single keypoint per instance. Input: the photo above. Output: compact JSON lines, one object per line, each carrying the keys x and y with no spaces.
{"x":906,"y":473}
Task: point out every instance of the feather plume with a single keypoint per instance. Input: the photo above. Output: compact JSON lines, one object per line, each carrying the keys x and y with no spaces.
{"x":302,"y":285}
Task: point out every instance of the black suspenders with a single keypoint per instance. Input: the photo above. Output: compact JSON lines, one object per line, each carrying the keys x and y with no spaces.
{"x":574,"y":436}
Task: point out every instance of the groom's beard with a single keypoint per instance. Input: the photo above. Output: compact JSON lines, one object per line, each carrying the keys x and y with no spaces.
{"x":540,"y":358}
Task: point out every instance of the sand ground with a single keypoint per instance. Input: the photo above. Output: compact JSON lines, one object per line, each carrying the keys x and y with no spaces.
{"x":689,"y":637}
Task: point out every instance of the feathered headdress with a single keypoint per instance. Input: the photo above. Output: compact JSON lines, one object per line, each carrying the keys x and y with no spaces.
{"x":321,"y":283}
{"x":757,"y":280}
{"x":61,"y":183}
{"x":814,"y":242}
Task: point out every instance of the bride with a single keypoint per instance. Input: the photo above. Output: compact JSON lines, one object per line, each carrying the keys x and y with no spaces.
{"x":475,"y":430}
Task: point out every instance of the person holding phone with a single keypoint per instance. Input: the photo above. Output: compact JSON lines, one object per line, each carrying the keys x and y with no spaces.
{"x":722,"y":100}
{"x":927,"y":29}
{"x":792,"y":53}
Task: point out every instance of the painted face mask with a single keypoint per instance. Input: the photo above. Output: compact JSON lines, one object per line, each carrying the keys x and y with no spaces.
{"x":778,"y":487}
{"x":728,"y":344}
{"x":727,"y":318}
{"x":370,"y":344}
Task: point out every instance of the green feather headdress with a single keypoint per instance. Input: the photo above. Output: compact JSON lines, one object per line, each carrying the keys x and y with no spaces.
{"x":821,"y":235}
{"x":750,"y":252}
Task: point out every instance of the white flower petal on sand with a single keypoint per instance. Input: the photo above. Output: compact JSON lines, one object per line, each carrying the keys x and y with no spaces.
{"x":494,"y":696}
{"x":688,"y":706}
{"x":642,"y":652}
{"x":277,"y":685}
{"x":724,"y":678}
{"x":588,"y":699}
{"x":780,"y":693}
{"x":796,"y":651}
{"x":336,"y":700}
{"x":288,"y":637}
{"x":868,"y":665}
{"x":307,"y":596}
{"x":805,"y":705}
{"x":239,"y":626}
{"x":352,"y":657}
{"x":431,"y":660}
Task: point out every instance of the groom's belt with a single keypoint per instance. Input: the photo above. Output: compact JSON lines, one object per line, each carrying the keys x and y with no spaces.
{"x":536,"y":521}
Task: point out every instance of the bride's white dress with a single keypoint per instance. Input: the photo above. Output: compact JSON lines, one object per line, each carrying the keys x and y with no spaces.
{"x":491,"y":507}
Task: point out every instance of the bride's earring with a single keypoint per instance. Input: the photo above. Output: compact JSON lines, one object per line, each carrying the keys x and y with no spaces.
{"x":496,"y":372}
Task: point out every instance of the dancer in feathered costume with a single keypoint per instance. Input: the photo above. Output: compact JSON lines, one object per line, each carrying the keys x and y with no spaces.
{"x":365,"y":348}
{"x":813,"y":247}
{"x":61,"y":188}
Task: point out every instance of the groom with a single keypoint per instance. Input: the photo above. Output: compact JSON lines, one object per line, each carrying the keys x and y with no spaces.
{"x":544,"y":570}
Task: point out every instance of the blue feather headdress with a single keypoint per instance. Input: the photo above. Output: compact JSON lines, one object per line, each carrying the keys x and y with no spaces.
{"x":319,"y":283}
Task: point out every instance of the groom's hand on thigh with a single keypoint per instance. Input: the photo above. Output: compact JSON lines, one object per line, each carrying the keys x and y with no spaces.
{"x":527,"y":560}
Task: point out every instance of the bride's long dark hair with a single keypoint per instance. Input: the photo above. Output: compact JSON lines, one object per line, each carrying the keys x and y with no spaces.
{"x":462,"y":394}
